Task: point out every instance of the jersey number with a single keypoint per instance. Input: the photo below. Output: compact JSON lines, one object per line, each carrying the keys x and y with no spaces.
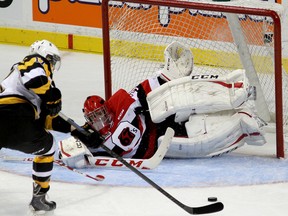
{"x":126,"y":137}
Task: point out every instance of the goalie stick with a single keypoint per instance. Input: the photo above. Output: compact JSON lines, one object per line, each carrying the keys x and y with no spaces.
{"x":211,"y":208}
{"x":58,"y":162}
{"x":96,"y":178}
{"x":145,"y":164}
{"x":104,"y":162}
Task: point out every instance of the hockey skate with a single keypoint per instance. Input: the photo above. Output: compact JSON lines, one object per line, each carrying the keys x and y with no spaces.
{"x":39,"y":205}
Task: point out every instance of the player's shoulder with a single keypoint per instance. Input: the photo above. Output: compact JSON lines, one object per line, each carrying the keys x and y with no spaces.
{"x":119,"y":99}
{"x":121,"y":93}
{"x":31,"y":62}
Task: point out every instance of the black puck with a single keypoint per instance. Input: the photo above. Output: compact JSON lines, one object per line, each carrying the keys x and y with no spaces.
{"x":212,"y":199}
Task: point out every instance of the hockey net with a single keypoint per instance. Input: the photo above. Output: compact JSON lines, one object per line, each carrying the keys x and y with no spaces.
{"x":223,"y":37}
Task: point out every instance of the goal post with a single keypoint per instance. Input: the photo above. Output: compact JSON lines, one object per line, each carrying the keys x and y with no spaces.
{"x":222,"y":37}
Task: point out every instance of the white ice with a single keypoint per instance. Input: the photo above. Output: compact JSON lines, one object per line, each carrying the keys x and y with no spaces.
{"x":249,"y":182}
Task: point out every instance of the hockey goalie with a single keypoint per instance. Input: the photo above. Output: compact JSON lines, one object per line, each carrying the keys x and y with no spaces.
{"x":210,"y":117}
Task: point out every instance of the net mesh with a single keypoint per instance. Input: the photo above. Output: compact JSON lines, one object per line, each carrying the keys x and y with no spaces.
{"x":139,"y":34}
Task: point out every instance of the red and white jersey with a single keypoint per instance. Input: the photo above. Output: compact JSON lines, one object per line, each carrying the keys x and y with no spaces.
{"x":146,"y":86}
{"x":133,"y":134}
{"x":129,"y":136}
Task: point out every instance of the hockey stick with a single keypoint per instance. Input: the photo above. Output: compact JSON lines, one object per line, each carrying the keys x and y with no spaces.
{"x":104,"y":161}
{"x":96,"y":178}
{"x":58,"y":162}
{"x":145,"y":164}
{"x":215,"y":207}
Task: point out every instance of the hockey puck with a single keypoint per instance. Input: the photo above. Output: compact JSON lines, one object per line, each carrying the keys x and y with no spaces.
{"x":212,"y":199}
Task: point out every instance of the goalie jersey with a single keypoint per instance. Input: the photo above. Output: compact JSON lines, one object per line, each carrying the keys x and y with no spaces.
{"x":133,"y":134}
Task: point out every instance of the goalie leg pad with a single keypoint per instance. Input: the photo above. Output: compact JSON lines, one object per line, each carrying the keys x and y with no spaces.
{"x":251,"y":126}
{"x":216,"y":135}
{"x":202,"y":123}
{"x":201,"y":145}
{"x":185,"y":96}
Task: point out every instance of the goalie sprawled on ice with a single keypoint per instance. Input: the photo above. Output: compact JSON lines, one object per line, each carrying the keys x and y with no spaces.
{"x":209,"y":116}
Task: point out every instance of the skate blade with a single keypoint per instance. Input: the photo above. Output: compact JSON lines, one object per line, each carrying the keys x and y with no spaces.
{"x":32,"y":212}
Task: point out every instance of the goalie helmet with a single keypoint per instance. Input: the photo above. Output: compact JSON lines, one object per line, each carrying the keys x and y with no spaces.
{"x":178,"y":62}
{"x":49,"y":51}
{"x":97,"y":114}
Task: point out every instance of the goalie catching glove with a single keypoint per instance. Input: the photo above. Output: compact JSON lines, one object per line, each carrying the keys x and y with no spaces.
{"x":92,"y":140}
{"x":178,"y":62}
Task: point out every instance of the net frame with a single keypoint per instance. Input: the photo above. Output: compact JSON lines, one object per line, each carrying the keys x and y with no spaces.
{"x":226,"y":8}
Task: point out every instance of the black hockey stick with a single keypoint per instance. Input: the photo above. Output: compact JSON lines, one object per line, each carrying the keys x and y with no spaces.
{"x":215,"y":207}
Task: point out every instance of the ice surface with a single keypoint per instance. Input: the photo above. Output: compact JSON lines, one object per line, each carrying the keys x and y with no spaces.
{"x":250,"y":181}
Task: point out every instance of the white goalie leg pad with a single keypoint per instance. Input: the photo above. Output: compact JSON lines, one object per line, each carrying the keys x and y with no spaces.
{"x":202,"y":123}
{"x":252,"y":127}
{"x":185,"y":96}
{"x":220,"y":136}
{"x":212,"y":136}
{"x":74,"y":153}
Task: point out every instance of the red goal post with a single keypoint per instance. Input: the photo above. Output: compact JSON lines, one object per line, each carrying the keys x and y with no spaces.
{"x":223,"y":37}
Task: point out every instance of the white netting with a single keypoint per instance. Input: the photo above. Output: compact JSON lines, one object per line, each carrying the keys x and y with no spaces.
{"x":139,"y":34}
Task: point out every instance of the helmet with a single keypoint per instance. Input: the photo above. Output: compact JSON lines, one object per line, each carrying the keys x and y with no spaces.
{"x":178,"y":62}
{"x":97,"y":114}
{"x":49,"y":51}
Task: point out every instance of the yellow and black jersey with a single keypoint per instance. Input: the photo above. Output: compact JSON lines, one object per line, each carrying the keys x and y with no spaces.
{"x":28,"y":81}
{"x":36,"y":72}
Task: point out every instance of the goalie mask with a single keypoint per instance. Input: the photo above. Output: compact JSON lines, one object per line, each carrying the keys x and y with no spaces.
{"x":49,"y":51}
{"x":178,"y":62}
{"x":97,"y":114}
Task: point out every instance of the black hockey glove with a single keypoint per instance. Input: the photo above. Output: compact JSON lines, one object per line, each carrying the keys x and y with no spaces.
{"x":52,"y":103}
{"x":92,"y":140}
{"x":140,"y":110}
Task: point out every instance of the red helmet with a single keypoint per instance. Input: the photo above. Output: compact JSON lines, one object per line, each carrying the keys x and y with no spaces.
{"x":97,"y":114}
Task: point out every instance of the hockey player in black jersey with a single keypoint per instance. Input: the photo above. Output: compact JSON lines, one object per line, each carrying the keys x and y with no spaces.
{"x":29,"y":107}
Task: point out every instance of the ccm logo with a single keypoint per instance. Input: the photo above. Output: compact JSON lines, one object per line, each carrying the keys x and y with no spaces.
{"x":204,"y":77}
{"x":116,"y":163}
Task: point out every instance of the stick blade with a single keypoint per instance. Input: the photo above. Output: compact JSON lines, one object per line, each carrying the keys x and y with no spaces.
{"x":215,"y":207}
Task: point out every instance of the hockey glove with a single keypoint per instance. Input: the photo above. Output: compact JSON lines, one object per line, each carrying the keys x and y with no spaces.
{"x":93,"y":140}
{"x":139,"y":110}
{"x":52,"y":103}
